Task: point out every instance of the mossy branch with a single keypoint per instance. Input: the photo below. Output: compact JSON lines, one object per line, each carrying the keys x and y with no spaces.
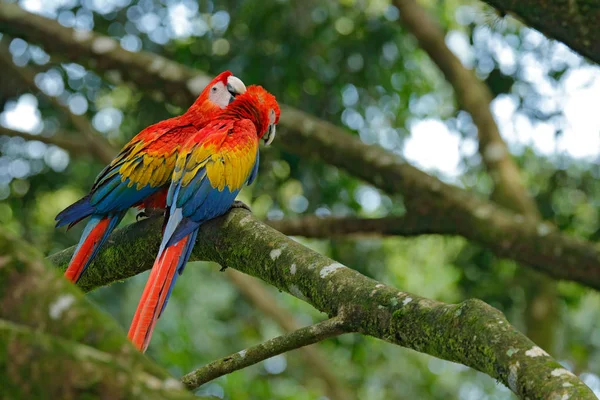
{"x":260,"y":352}
{"x":471,"y":333}
{"x":36,"y":365}
{"x":56,"y":344}
{"x":426,"y":197}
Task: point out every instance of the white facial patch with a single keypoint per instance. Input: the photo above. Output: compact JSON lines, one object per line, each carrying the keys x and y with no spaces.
{"x":220,"y":95}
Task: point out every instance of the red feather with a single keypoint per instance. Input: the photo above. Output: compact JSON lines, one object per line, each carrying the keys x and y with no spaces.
{"x":154,"y":295}
{"x":85,"y":251}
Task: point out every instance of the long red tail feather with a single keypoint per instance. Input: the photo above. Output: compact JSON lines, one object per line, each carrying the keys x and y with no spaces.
{"x":154,"y":295}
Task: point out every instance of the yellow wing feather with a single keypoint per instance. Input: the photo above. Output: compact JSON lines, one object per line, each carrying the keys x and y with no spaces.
{"x":228,"y":159}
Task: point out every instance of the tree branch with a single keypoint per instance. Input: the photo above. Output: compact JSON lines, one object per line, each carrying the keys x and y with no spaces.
{"x":475,"y":98}
{"x":445,"y":207}
{"x":98,"y":146}
{"x":471,"y":333}
{"x":48,"y":329}
{"x":255,"y":354}
{"x":267,"y":304}
{"x":517,"y":239}
{"x":425,"y":196}
{"x":327,"y":227}
{"x":28,"y":358}
{"x":576,"y":23}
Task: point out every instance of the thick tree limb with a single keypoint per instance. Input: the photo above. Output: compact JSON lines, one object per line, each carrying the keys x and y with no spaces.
{"x":35,"y":365}
{"x":425,"y":196}
{"x":471,"y":333}
{"x":98,"y":146}
{"x":474,"y":97}
{"x":53,"y":341}
{"x":267,"y":304}
{"x":576,"y":23}
{"x":255,"y":354}
{"x":59,"y":139}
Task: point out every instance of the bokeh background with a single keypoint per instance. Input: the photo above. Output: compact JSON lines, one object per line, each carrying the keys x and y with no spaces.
{"x":352,"y":63}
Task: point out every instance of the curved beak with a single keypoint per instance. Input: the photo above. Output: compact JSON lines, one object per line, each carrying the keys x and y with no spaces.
{"x":235,"y":86}
{"x":270,"y":135}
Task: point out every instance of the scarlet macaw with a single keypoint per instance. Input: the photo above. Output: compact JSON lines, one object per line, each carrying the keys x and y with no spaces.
{"x":212,"y":167}
{"x":139,"y":175}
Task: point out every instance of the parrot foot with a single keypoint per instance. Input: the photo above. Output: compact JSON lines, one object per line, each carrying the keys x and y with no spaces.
{"x":223,"y":269}
{"x":241,"y":204}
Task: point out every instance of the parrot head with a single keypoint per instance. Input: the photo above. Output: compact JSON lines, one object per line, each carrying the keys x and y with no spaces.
{"x":217,"y":95}
{"x":260,"y":107}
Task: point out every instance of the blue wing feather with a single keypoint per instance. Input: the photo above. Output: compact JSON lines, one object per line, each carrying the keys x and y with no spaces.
{"x":254,"y":172}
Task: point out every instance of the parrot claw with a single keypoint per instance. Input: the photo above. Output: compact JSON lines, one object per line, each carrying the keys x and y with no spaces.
{"x":241,"y":204}
{"x":141,"y":214}
{"x":222,"y":269}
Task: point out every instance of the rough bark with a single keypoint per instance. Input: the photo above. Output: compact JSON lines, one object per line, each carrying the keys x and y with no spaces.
{"x":55,"y":344}
{"x":576,"y":23}
{"x":425,"y":196}
{"x":471,"y":333}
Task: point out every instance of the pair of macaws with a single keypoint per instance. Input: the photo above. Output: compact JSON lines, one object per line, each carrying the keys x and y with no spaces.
{"x":193,"y":165}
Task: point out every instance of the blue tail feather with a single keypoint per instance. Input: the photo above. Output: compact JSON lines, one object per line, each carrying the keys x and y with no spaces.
{"x":75,"y":212}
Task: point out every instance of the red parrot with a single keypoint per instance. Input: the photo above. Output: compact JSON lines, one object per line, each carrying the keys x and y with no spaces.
{"x":212,"y":167}
{"x":140,"y":173}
